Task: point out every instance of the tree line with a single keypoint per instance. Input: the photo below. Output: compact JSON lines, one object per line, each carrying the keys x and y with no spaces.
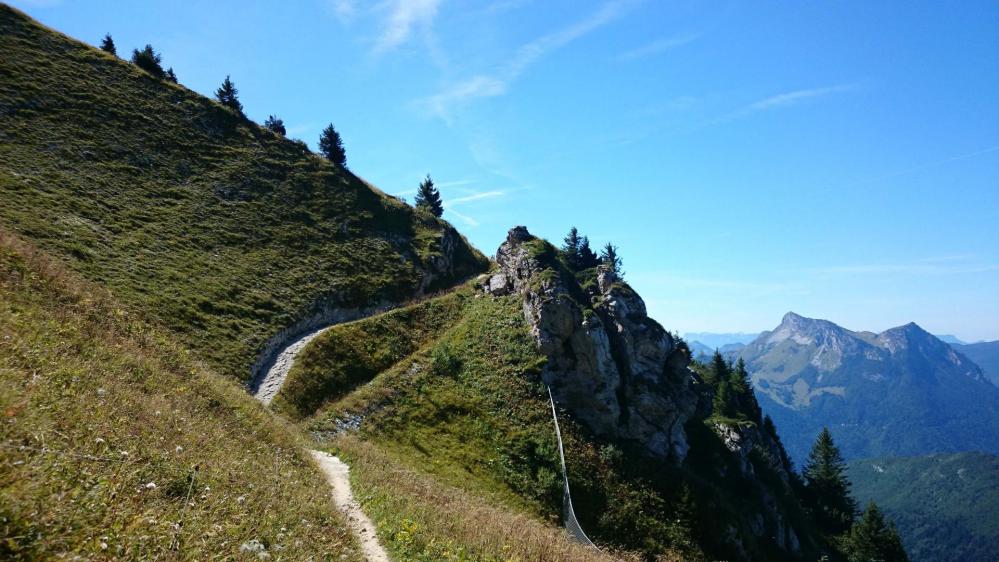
{"x":330,"y":142}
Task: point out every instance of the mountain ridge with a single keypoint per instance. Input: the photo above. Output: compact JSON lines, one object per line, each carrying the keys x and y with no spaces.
{"x":809,"y":373}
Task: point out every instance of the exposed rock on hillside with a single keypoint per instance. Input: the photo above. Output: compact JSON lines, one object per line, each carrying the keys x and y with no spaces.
{"x":610,"y":364}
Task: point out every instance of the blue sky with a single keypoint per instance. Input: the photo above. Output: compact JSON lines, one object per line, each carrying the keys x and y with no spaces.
{"x":838,"y":159}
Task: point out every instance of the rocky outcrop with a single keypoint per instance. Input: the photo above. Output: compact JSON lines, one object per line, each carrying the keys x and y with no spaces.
{"x":613,"y":367}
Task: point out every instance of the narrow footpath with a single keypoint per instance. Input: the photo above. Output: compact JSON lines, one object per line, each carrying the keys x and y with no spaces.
{"x":336,"y":471}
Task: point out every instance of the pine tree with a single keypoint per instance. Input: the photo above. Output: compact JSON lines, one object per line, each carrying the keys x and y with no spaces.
{"x":331,"y":146}
{"x":427,"y":197}
{"x":276,"y":125}
{"x":718,"y":370}
{"x":170,"y":75}
{"x":228,"y":95}
{"x":743,"y":388}
{"x":611,"y":260}
{"x":827,"y":490}
{"x":587,"y":257}
{"x":570,"y":248}
{"x":873,"y":540}
{"x":149,"y":60}
{"x":107,"y":45}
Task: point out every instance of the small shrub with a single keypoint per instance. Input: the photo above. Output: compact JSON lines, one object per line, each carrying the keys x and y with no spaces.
{"x":149,"y":60}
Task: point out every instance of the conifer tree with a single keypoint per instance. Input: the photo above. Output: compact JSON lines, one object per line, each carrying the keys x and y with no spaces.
{"x":276,"y":125}
{"x":107,"y":45}
{"x":570,"y":248}
{"x":827,"y":490}
{"x":873,"y":540}
{"x":228,"y":95}
{"x":587,"y":257}
{"x":611,"y":260}
{"x":170,"y":75}
{"x":743,"y":388}
{"x":331,"y":146}
{"x":149,"y":60}
{"x":427,"y":197}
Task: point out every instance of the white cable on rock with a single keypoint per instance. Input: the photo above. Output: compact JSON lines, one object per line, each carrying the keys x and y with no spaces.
{"x":568,"y":515}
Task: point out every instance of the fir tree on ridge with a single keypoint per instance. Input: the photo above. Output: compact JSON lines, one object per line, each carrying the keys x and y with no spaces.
{"x":872,"y":539}
{"x":331,"y":146}
{"x":149,"y":60}
{"x":228,"y":95}
{"x":610,"y":259}
{"x":275,"y":124}
{"x":107,"y":45}
{"x":827,"y":490}
{"x":170,"y":75}
{"x":587,"y":257}
{"x":570,"y":248}
{"x":427,"y":197}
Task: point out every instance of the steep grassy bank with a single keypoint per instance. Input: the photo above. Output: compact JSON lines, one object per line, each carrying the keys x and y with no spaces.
{"x":350,"y":354}
{"x":114,"y":443}
{"x":419,"y":518}
{"x":225,"y":232}
{"x":469,"y":409}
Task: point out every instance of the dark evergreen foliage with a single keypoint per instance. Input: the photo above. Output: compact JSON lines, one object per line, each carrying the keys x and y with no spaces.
{"x":276,"y":125}
{"x":149,"y":60}
{"x":427,"y":197}
{"x":228,"y":95}
{"x":107,"y":45}
{"x":827,"y":490}
{"x":873,"y":540}
{"x":570,"y":249}
{"x":611,"y":260}
{"x":331,"y":146}
{"x":170,"y":76}
{"x":587,"y":257}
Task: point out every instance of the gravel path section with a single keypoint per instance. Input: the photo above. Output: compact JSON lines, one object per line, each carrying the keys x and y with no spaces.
{"x":338,"y":475}
{"x":275,"y":376}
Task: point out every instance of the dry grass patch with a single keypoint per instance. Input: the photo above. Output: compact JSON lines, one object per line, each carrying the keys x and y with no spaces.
{"x":115,"y":445}
{"x":419,"y":518}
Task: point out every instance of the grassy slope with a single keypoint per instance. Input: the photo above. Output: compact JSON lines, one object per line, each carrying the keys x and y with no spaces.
{"x":468,"y":407}
{"x":96,"y":405}
{"x":946,"y":506}
{"x":353,"y":353}
{"x":224,"y":231}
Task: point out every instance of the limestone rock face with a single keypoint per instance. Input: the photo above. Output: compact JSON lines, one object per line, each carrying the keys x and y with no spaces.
{"x":612,"y":366}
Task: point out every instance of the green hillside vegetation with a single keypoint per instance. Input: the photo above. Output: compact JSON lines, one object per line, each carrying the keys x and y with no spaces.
{"x":117,"y":444}
{"x":349,"y":354}
{"x":946,"y":506}
{"x":451,"y":387}
{"x":222,"y":230}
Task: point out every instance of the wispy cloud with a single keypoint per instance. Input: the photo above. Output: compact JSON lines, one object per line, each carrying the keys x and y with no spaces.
{"x":659,"y":46}
{"x":403,"y":16}
{"x":927,"y":165}
{"x":786,"y":99}
{"x":473,"y":197}
{"x":933,"y":266}
{"x":344,"y":10}
{"x":497,"y":83}
{"x":450,"y":204}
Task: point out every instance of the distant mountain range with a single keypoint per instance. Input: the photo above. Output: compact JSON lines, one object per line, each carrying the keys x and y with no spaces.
{"x":714,"y":341}
{"x":984,"y":354}
{"x":900,"y":392}
{"x":946,"y":506}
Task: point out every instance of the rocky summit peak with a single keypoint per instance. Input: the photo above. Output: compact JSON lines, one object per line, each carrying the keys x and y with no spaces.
{"x":611,"y":365}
